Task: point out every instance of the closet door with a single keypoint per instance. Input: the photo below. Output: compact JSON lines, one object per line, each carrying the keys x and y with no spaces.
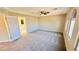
{"x":13,"y":27}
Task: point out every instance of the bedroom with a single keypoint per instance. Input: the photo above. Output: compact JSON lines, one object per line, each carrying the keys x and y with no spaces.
{"x":39,"y":28}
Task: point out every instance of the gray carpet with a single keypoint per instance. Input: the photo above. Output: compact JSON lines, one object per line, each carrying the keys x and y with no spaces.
{"x":37,"y":41}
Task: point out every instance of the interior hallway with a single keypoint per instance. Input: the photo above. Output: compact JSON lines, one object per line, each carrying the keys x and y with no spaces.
{"x":36,"y":41}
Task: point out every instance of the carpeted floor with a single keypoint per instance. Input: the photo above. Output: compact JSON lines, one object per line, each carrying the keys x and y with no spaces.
{"x":36,"y":41}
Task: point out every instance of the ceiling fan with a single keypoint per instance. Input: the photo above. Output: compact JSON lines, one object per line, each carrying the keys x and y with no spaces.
{"x":44,"y":13}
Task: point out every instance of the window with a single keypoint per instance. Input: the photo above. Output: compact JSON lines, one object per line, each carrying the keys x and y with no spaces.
{"x":71,"y":23}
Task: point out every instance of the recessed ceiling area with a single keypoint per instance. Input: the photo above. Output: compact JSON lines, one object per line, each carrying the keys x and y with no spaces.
{"x":38,"y":11}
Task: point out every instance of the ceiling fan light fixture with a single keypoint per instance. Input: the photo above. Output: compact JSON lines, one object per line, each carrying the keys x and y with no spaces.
{"x":44,"y":12}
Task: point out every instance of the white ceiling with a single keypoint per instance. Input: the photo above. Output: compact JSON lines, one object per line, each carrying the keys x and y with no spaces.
{"x":35,"y":11}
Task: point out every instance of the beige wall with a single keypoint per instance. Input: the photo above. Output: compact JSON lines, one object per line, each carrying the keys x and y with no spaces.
{"x":52,"y":23}
{"x":31,"y":23}
{"x":3,"y":29}
{"x":49,"y":23}
{"x":70,"y":43}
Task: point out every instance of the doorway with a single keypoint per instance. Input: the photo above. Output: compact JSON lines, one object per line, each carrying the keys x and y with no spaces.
{"x":22,"y":25}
